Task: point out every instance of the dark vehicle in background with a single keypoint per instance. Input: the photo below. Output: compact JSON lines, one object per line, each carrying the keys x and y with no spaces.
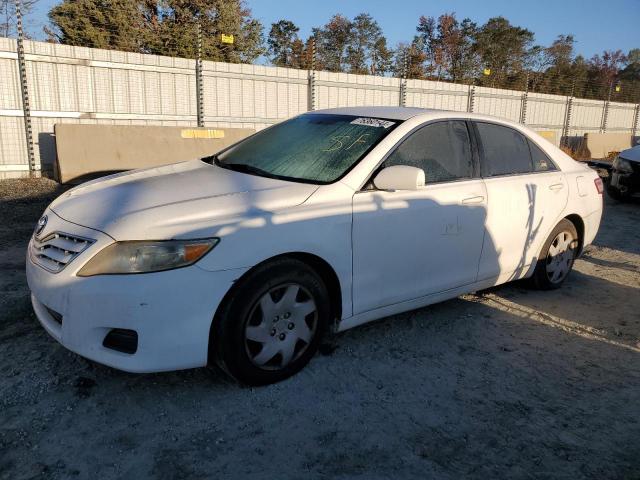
{"x":625,"y":175}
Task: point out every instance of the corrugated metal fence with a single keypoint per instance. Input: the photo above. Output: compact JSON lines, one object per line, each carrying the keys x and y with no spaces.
{"x":83,"y":85}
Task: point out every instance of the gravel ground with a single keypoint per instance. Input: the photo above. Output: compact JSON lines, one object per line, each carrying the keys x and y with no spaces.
{"x":508,"y":383}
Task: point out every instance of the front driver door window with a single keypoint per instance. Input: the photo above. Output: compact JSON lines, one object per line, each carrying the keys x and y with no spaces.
{"x":410,"y":244}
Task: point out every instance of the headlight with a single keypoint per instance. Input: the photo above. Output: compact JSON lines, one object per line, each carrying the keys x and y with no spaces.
{"x":145,"y":257}
{"x":622,"y":165}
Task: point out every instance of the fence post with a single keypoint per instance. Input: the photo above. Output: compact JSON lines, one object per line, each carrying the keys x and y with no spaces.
{"x":26,"y":109}
{"x":199,"y":93}
{"x":634,"y":129}
{"x":471,"y":95}
{"x":312,"y":77}
{"x":523,"y":104}
{"x":403,"y":79}
{"x":564,"y":141}
{"x":605,"y":111}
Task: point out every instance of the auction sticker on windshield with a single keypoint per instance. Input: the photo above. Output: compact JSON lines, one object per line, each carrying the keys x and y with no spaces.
{"x":373,"y":122}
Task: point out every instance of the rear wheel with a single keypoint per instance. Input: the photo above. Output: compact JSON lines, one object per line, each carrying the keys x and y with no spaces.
{"x":272,"y":324}
{"x":557,"y":257}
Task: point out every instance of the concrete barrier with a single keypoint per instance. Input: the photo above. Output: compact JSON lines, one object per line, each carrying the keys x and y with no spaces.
{"x":550,"y":135}
{"x":600,"y":145}
{"x":89,"y":150}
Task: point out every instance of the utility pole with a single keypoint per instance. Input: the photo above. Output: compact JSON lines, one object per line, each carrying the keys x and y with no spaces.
{"x":26,"y":109}
{"x":199,"y":82}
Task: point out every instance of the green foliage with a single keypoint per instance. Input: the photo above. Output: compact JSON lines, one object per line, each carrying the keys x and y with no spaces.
{"x":283,"y":38}
{"x":503,"y":48}
{"x":162,"y":27}
{"x":443,"y":48}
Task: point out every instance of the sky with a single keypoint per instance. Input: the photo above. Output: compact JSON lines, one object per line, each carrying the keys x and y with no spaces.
{"x":597,"y":25}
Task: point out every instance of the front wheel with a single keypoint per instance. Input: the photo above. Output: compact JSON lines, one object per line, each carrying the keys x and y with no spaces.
{"x":272,"y":324}
{"x":557,"y":257}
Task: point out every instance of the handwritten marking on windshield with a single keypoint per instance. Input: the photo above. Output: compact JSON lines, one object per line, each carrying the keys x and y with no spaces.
{"x":339,"y":142}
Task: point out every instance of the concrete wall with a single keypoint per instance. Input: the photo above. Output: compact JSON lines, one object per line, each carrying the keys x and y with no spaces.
{"x":83,"y":150}
{"x":599,"y":145}
{"x":85,"y":86}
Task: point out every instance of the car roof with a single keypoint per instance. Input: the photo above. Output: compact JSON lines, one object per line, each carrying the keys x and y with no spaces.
{"x":391,"y":113}
{"x":405,"y":113}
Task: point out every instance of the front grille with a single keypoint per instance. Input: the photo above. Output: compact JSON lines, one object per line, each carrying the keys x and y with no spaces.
{"x":57,"y":250}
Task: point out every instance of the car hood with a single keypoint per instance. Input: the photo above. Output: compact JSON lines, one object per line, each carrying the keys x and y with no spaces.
{"x":631,"y":154}
{"x":183,"y":200}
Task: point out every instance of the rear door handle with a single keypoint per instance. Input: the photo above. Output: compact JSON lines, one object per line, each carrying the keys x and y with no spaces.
{"x":556,"y":186}
{"x":471,"y":200}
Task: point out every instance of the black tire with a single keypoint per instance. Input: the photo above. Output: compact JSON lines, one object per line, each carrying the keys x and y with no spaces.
{"x":229,"y":343}
{"x":541,"y":279}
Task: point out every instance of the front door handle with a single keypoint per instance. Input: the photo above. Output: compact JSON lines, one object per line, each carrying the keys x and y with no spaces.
{"x":556,"y":186}
{"x":472,"y":200}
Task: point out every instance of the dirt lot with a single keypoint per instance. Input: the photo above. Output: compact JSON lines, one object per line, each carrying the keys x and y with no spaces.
{"x":510,"y":383}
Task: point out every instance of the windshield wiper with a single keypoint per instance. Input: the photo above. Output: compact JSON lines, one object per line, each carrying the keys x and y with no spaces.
{"x":246,"y":168}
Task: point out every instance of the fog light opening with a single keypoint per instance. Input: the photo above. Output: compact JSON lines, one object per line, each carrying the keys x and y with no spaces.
{"x":121,"y":340}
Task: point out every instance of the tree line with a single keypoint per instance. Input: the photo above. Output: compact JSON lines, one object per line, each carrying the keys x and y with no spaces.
{"x":445,"y":48}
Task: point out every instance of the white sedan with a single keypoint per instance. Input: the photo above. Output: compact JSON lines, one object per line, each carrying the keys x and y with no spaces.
{"x":322,"y":222}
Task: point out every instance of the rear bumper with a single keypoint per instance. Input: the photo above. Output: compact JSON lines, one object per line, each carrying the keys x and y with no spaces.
{"x":591,"y":227}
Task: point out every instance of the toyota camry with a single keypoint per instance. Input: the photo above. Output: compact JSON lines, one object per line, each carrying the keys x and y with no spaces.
{"x":323,"y":222}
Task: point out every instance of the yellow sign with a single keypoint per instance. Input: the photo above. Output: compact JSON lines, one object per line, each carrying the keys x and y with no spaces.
{"x":487,"y":71}
{"x":227,"y":38}
{"x":193,"y":133}
{"x":617,"y":88}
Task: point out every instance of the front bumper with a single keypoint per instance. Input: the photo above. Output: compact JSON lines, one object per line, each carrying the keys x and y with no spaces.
{"x":170,"y":311}
{"x":628,"y":183}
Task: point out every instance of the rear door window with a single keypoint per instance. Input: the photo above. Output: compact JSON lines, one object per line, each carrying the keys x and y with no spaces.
{"x":505,"y":151}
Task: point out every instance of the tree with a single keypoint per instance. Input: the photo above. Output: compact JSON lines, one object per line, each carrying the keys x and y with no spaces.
{"x":605,"y":67}
{"x":365,"y":35}
{"x":448,"y":46}
{"x":162,"y":27}
{"x":283,"y":38}
{"x":8,"y":15}
{"x":332,"y":42}
{"x":382,"y":59}
{"x":98,"y":24}
{"x":632,"y":70}
{"x":414,"y":57}
{"x":216,"y":17}
{"x":561,"y":69}
{"x":503,"y":48}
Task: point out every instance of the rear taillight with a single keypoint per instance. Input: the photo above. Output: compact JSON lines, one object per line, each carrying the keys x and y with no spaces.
{"x":599,"y":185}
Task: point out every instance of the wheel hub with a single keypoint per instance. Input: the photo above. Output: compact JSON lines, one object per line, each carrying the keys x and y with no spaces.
{"x":280,"y":327}
{"x":560,"y":257}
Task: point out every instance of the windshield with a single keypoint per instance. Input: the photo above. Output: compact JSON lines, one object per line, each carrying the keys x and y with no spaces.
{"x":315,"y":148}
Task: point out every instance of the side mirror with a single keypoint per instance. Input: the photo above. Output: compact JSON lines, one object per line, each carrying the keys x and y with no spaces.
{"x":400,"y":177}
